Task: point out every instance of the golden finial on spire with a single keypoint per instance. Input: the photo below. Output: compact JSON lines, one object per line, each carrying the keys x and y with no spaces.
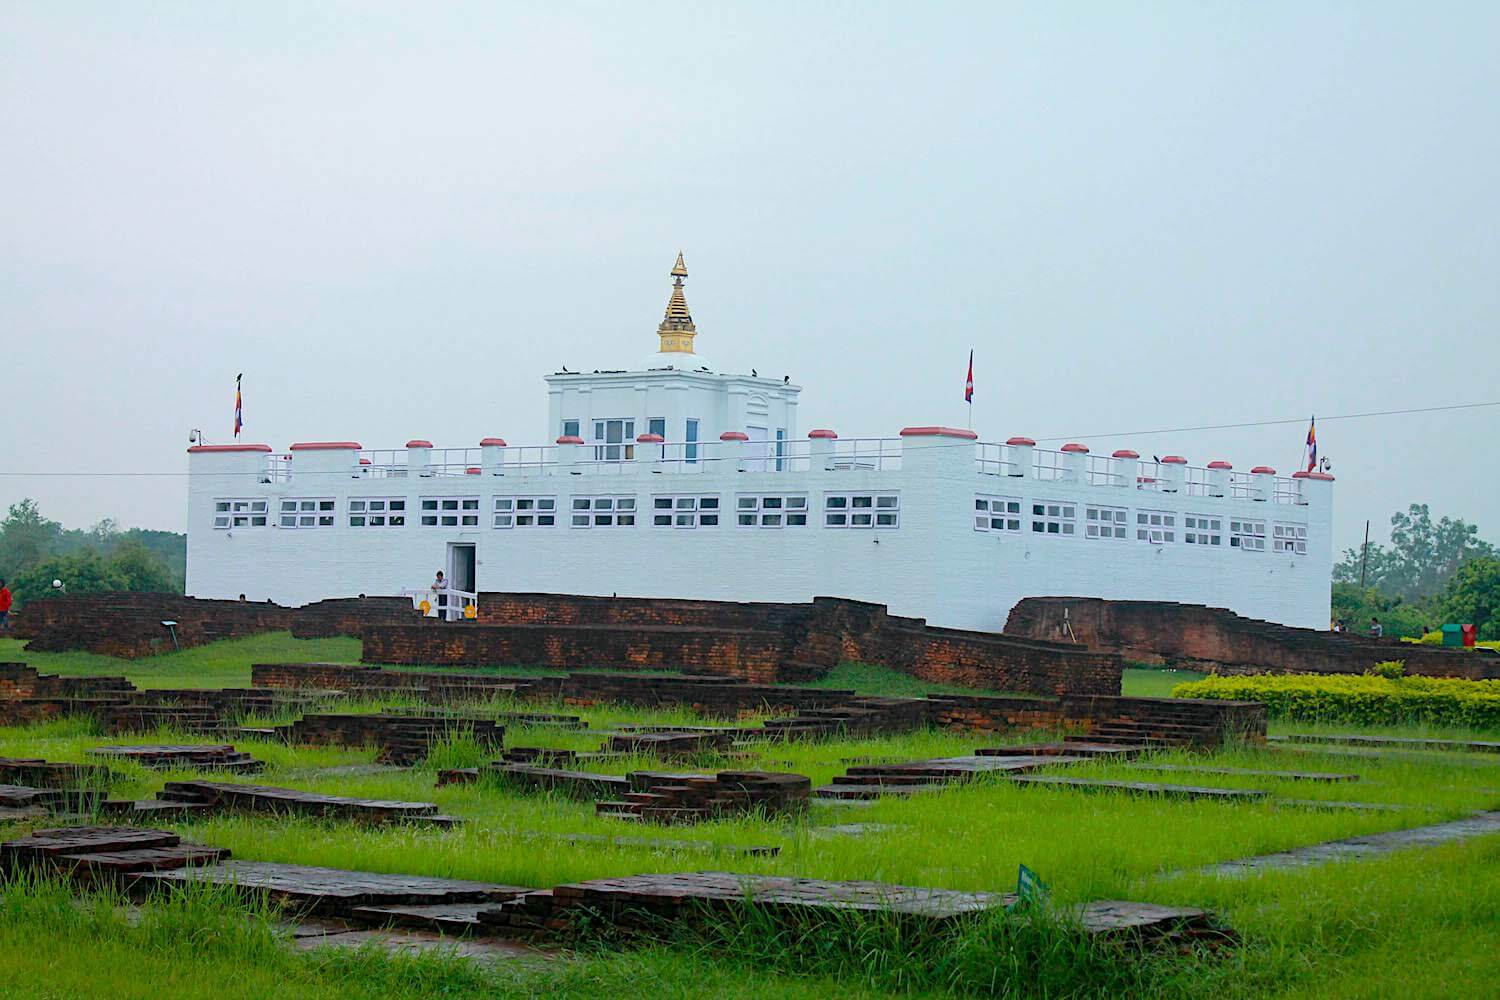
{"x":677,"y":330}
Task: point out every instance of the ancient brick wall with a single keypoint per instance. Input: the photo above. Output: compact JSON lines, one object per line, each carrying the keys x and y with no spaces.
{"x":129,"y":625}
{"x":1213,"y":639}
{"x":349,"y":615}
{"x":18,"y":680}
{"x":763,"y":642}
{"x":751,"y":655}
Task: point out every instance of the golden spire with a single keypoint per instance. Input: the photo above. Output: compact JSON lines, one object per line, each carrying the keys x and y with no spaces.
{"x":677,"y":330}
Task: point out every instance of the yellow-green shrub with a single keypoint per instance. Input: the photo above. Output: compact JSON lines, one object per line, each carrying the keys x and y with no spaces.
{"x":1359,"y":698}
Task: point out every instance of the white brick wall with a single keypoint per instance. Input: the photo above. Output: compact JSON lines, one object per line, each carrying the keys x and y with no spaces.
{"x":933,"y":565}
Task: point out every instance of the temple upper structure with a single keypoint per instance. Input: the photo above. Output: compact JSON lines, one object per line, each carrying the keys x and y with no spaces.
{"x":676,"y":394}
{"x":677,"y":330}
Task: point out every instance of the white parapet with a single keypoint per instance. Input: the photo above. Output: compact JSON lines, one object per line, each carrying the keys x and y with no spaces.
{"x":1127,"y":471}
{"x":1173,"y":473}
{"x":316,"y":465}
{"x":1022,"y":456}
{"x":820,"y":447}
{"x":492,"y":456}
{"x":1074,"y":463}
{"x":1217,"y":477}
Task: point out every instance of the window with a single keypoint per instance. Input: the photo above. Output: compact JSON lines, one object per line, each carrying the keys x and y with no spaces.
{"x":450,"y":512}
{"x":1247,"y":535}
{"x":1155,"y":526}
{"x":690,"y":450}
{"x":997,"y":513}
{"x":377,"y":512}
{"x":1105,"y":522}
{"x":614,"y":440}
{"x":861,"y":510}
{"x":525,"y":512}
{"x":685,"y":512}
{"x":657,"y":426}
{"x":1289,"y":538}
{"x":570,"y":428}
{"x":1199,"y":529}
{"x":298,"y":512}
{"x":236,"y":513}
{"x":771,"y":511}
{"x":1053,"y":518}
{"x":781,"y":449}
{"x":603,"y":512}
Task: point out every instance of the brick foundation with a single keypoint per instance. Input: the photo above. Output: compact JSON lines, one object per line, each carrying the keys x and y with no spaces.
{"x":730,"y":699}
{"x":1195,"y":637}
{"x":761,"y":642}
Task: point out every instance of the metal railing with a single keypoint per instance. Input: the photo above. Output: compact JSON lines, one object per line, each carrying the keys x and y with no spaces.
{"x":994,"y":459}
{"x":444,"y":603}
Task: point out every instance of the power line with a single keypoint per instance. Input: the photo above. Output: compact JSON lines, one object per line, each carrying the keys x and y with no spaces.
{"x":965,"y":444}
{"x":1274,"y":423}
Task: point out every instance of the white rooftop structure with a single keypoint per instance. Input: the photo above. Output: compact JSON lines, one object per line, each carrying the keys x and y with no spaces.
{"x":678,"y":481}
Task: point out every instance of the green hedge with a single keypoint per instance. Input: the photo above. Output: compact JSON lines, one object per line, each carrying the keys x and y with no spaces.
{"x":1360,"y":699}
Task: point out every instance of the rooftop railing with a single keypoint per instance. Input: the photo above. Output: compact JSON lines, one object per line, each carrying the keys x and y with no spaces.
{"x":1024,"y":460}
{"x":1017,"y":458}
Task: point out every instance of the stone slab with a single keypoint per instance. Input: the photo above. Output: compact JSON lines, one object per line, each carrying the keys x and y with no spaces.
{"x":1245,"y":772}
{"x":1393,"y":742}
{"x":1142,"y":788}
{"x":334,"y":890}
{"x":1356,"y":848}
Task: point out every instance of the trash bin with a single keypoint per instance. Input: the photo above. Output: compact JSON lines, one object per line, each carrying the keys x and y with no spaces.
{"x":1453,"y":635}
{"x":1471,"y":633}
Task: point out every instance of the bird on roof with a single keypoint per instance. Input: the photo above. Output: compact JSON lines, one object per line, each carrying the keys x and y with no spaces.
{"x":754,"y":373}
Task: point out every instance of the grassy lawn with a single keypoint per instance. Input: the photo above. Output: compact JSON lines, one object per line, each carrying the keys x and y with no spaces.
{"x":1154,"y":682}
{"x":1424,"y":920}
{"x":223,"y":664}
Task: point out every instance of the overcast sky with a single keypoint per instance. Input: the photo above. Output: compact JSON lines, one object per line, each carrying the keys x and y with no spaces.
{"x":395,"y":219}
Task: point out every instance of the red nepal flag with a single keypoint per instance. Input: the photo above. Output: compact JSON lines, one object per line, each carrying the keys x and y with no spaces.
{"x":969,"y":382}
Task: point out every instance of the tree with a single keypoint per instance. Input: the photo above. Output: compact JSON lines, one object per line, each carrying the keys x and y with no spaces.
{"x":141,"y":570}
{"x":1422,"y":557}
{"x":133,"y":567}
{"x":81,"y":572}
{"x":1473,"y":596}
{"x":1399,"y":617}
{"x":26,"y":537}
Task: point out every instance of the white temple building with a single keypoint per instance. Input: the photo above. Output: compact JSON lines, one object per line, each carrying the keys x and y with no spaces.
{"x":676,"y":480}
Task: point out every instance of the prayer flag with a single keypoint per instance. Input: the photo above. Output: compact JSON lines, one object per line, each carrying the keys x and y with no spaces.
{"x":969,"y":382}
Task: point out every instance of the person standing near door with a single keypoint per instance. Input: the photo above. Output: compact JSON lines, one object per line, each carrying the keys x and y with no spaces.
{"x":440,"y":596}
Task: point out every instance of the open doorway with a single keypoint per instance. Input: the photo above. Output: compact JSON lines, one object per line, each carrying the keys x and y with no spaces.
{"x":461,"y":577}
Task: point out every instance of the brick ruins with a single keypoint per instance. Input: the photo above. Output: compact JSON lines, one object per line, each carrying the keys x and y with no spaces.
{"x":814,"y":711}
{"x":762,"y":642}
{"x":1195,"y":637}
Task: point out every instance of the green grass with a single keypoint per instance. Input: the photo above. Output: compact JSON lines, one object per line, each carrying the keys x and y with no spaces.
{"x":1154,"y":682}
{"x":1339,"y":930}
{"x":224,"y":664}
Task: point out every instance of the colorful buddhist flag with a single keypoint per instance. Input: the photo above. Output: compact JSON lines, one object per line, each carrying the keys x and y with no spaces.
{"x":1312,"y":445}
{"x":239,"y":406}
{"x":969,"y":382}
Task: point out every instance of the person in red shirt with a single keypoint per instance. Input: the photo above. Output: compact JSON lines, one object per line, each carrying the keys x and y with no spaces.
{"x":5,"y":602}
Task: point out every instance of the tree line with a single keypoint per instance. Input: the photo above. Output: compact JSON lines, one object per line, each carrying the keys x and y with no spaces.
{"x":1431,"y":573}
{"x":35,"y":550}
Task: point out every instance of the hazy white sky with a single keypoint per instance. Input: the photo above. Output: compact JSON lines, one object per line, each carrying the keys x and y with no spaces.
{"x":394,"y":219}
